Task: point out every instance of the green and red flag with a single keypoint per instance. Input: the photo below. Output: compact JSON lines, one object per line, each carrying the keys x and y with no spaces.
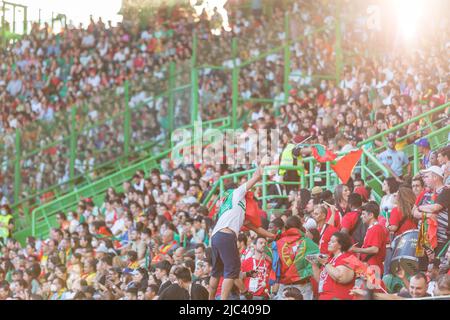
{"x":322,"y":154}
{"x":289,"y":257}
{"x":319,"y":152}
{"x":344,"y":166}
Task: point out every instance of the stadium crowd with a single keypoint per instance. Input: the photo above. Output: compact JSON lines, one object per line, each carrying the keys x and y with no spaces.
{"x":91,"y":74}
{"x":153,"y":239}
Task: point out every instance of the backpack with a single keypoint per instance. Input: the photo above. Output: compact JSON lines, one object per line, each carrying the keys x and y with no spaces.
{"x":359,"y":231}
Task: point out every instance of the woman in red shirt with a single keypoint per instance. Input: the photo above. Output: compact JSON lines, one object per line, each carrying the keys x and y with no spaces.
{"x":335,"y":278}
{"x":401,"y":218}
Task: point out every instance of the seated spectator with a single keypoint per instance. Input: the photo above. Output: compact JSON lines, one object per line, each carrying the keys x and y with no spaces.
{"x":335,"y":278}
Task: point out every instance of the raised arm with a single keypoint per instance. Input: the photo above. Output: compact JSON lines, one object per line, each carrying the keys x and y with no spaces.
{"x":258,"y":172}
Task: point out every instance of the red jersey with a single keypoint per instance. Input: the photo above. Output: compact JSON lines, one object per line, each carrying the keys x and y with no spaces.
{"x":260,"y":283}
{"x":350,"y":220}
{"x":325,"y":235}
{"x":337,"y":218}
{"x":395,"y":220}
{"x":329,"y":288}
{"x":375,"y":237}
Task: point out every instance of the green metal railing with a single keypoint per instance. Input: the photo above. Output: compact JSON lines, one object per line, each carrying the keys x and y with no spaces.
{"x":180,"y":86}
{"x":77,"y":128}
{"x":371,"y":170}
{"x":74,"y":127}
{"x":43,"y":218}
{"x":307,"y":179}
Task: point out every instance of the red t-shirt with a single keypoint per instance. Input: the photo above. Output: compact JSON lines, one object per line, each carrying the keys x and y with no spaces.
{"x":395,"y":219}
{"x":376,"y":237}
{"x":350,"y":220}
{"x":337,"y":218}
{"x":329,"y":289}
{"x":263,"y":267}
{"x":325,"y":235}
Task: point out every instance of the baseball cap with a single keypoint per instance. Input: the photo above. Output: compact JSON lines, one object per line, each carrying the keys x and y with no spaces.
{"x":102,"y":249}
{"x":316,"y":191}
{"x":434,"y":169}
{"x":423,"y":142}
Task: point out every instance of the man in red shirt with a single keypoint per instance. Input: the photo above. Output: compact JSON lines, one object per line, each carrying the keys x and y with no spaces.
{"x":257,"y":269}
{"x":373,"y":250}
{"x":351,"y":219}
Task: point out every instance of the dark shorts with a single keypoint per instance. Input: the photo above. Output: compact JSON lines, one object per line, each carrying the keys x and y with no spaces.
{"x":225,"y":256}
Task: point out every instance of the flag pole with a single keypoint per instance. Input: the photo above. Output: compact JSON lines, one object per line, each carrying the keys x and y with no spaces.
{"x":298,"y":144}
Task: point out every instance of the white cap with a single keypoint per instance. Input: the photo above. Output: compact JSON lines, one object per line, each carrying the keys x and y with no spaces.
{"x":310,"y":224}
{"x":434,"y":169}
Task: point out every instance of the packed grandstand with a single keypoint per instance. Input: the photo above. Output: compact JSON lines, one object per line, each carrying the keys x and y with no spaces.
{"x":99,"y":201}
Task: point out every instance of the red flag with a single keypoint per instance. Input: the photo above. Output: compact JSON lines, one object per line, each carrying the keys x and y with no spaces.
{"x":356,"y":265}
{"x":344,"y":166}
{"x":252,"y":210}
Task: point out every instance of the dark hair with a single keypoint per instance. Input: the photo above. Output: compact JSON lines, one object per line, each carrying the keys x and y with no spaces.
{"x":183,"y":274}
{"x":34,"y":271}
{"x":190,"y":264}
{"x":146,"y":231}
{"x":92,"y":263}
{"x":344,"y":240}
{"x":61,"y":215}
{"x":79,"y":295}
{"x":372,"y":207}
{"x":231,"y":185}
{"x":200,"y":245}
{"x":316,"y":235}
{"x":278,"y":222}
{"x":107,"y":259}
{"x":420,"y":275}
{"x":132,"y":290}
{"x":132,"y":255}
{"x":154,"y":288}
{"x":292,"y":292}
{"x":61,"y":282}
{"x":392,"y":184}
{"x":419,"y":178}
{"x":327,"y":196}
{"x":163,"y":266}
{"x":445,"y":152}
{"x":294,"y":222}
{"x":242,"y":238}
{"x":355,"y":200}
{"x":305,"y":195}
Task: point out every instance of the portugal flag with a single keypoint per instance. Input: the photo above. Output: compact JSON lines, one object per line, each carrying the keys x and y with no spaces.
{"x":289,"y":253}
{"x":319,"y":152}
{"x":322,"y":154}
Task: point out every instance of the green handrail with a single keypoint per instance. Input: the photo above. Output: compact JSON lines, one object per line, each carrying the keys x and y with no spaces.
{"x":98,"y":187}
{"x":366,"y":172}
{"x":402,"y":125}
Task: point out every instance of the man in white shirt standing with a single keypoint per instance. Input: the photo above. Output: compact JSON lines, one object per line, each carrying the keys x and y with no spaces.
{"x":225,"y":254}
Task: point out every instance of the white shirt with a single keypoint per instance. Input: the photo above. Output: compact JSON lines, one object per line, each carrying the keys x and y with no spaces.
{"x":118,"y":227}
{"x":234,"y":217}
